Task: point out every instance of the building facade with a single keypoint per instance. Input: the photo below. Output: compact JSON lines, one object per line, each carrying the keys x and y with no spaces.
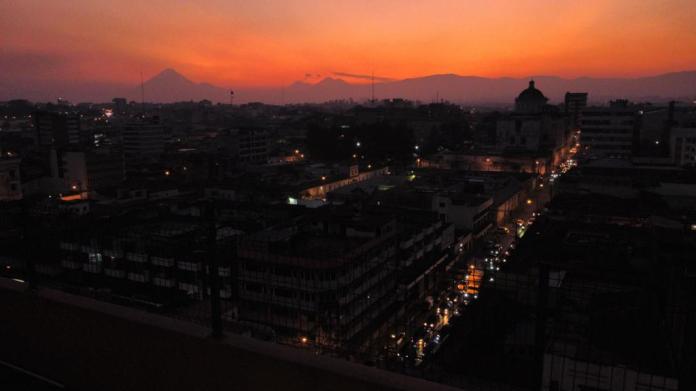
{"x":610,"y":131}
{"x":683,"y":146}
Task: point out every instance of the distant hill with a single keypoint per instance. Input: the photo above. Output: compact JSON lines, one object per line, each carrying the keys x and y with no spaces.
{"x":170,"y":86}
{"x":472,"y":89}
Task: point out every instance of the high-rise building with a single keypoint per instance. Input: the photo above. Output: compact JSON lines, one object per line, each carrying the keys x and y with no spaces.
{"x":611,"y":131}
{"x":143,"y":141}
{"x":56,"y":129}
{"x":575,"y":103}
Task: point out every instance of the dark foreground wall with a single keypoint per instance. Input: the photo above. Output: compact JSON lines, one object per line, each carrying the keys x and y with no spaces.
{"x":89,"y":345}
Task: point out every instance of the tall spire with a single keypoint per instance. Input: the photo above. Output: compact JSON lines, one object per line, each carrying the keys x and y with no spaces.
{"x":372,"y":85}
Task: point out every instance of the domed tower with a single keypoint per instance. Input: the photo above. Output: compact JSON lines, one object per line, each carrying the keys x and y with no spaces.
{"x":530,"y":100}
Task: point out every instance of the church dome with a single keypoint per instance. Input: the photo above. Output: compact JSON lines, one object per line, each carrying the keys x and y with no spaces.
{"x":530,"y":99}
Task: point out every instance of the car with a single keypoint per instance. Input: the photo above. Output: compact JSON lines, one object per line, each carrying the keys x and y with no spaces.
{"x":431,"y":321}
{"x":503,"y":230}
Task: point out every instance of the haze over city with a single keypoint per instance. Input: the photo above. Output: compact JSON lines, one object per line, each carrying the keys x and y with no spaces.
{"x":77,"y":48}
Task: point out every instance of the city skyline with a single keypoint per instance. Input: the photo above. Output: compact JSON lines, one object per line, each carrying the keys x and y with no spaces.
{"x":272,"y":43}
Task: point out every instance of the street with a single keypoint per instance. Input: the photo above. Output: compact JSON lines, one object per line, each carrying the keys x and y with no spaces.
{"x":424,"y":339}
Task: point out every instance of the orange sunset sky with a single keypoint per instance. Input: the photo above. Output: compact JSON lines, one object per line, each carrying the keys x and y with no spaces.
{"x":270,"y":42}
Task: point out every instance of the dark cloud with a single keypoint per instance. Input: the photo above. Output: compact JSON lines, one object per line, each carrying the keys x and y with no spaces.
{"x":312,"y":76}
{"x":364,"y":77}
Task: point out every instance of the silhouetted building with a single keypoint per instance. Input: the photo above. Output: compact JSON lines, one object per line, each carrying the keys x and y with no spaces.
{"x":143,"y":142}
{"x":531,"y":100}
{"x":683,"y":146}
{"x":56,"y":129}
{"x":119,"y":105}
{"x":610,"y":131}
{"x":534,"y":125}
{"x":575,"y":103}
{"x":253,"y":146}
{"x":87,"y":171}
{"x":10,"y":183}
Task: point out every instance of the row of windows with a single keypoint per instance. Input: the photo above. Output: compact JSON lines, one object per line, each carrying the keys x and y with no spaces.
{"x":607,"y":131}
{"x":606,"y":139}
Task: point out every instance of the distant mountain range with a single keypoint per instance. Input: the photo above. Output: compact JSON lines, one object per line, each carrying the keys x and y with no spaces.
{"x":170,"y":86}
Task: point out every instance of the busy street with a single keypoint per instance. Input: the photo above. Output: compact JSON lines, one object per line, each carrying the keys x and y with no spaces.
{"x":413,"y":347}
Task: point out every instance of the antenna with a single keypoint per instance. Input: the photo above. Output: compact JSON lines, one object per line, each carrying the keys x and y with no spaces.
{"x":142,"y":90}
{"x":372,"y":86}
{"x":231,"y":97}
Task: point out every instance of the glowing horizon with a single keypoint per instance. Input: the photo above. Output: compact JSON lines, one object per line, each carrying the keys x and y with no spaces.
{"x":270,"y":43}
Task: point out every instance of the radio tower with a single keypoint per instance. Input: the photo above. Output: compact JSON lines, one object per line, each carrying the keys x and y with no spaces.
{"x":372,"y":87}
{"x":231,"y":97}
{"x":142,"y":91}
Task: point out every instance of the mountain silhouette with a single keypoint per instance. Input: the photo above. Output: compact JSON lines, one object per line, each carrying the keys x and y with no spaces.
{"x":171,"y":86}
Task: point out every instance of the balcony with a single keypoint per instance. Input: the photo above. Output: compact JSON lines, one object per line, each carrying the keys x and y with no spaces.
{"x":159,"y":261}
{"x":190,"y":266}
{"x":116,"y":273}
{"x":69,"y":246}
{"x":225,"y":293}
{"x":136,"y":257}
{"x":92,"y":268}
{"x":113,"y":253}
{"x":70,"y":264}
{"x":190,"y":288}
{"x":138,"y":277}
{"x":163,"y":282}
